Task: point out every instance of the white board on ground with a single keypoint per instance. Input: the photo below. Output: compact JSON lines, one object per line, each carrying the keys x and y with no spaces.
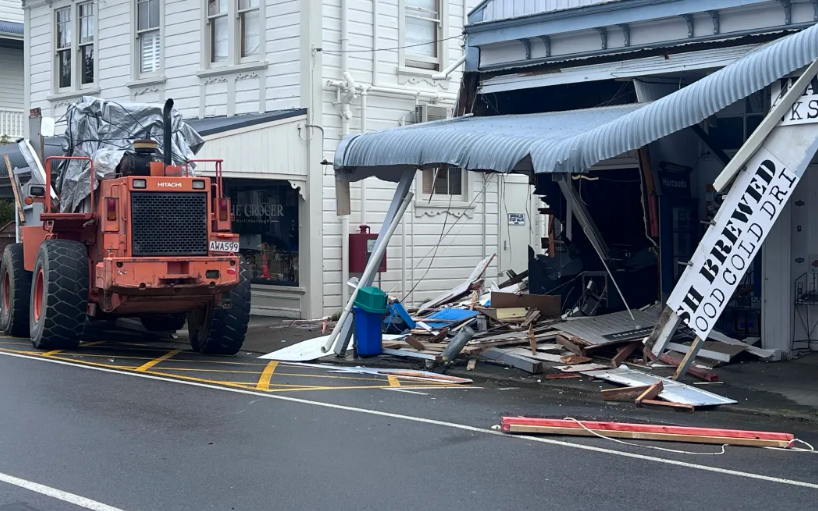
{"x":729,"y":246}
{"x":309,"y":350}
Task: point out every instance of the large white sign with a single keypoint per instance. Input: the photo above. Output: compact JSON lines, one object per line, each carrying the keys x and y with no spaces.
{"x":805,"y":108}
{"x":727,"y":250}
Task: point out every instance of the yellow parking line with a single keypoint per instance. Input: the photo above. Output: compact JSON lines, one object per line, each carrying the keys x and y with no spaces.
{"x":393,"y":381}
{"x":147,"y":365}
{"x":264,"y":379}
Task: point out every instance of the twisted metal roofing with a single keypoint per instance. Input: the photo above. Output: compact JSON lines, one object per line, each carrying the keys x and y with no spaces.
{"x":571,"y":141}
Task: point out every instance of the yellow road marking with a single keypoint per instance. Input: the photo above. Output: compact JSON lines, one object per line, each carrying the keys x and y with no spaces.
{"x":240,"y":385}
{"x":277,"y":373}
{"x":264,"y":379}
{"x":147,"y":365}
{"x":393,"y":381}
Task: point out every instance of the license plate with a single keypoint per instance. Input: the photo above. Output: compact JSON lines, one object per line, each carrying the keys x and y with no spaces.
{"x":224,"y":246}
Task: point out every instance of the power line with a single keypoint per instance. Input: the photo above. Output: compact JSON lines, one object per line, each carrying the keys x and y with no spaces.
{"x":396,"y":48}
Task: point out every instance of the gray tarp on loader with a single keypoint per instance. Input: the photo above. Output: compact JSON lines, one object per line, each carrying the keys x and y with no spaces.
{"x":104,"y":130}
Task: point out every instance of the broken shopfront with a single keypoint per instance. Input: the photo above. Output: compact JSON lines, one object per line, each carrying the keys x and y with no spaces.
{"x":626,"y":171}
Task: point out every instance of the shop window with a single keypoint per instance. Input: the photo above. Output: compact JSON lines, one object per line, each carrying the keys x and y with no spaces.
{"x":266,"y":219}
{"x":734,"y":125}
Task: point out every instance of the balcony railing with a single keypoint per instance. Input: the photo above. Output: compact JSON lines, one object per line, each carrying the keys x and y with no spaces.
{"x":12,"y":124}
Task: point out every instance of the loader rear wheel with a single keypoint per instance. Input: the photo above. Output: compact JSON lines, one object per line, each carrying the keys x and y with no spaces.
{"x":15,"y":289}
{"x":221,"y":331}
{"x":164,"y":322}
{"x":59,"y":300}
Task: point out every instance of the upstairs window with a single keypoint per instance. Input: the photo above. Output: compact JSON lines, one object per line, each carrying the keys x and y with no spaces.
{"x":148,"y":35}
{"x":87,"y":34}
{"x":219,"y":30}
{"x":63,"y":66}
{"x":249,"y":27}
{"x":422,"y":29}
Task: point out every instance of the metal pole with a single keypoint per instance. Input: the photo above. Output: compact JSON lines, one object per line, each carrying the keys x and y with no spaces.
{"x":405,"y":184}
{"x":369,"y":271}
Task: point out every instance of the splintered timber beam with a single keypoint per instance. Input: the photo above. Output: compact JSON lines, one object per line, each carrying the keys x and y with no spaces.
{"x":647,"y":432}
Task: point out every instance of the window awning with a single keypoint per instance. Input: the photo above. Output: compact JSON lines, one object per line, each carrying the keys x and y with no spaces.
{"x":571,"y":141}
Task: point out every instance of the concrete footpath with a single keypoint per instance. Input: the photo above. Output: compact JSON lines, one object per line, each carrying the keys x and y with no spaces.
{"x":787,"y":389}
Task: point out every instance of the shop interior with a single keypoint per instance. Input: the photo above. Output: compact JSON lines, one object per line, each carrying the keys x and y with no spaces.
{"x":649,"y":209}
{"x":265,"y":215}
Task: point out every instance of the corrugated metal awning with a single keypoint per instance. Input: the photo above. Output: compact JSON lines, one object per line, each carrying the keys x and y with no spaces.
{"x":568,"y":141}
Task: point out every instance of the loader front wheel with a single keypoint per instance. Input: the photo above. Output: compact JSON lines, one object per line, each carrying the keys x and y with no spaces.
{"x":15,"y":290}
{"x":221,"y":331}
{"x":59,"y":299}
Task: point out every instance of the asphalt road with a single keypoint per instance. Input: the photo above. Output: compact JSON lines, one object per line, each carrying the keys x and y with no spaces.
{"x":135,"y":441}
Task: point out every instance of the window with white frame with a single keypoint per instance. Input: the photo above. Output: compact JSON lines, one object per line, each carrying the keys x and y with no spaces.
{"x":62,"y":20}
{"x":87,"y":36}
{"x":75,"y":56}
{"x":249,"y":27}
{"x":443,"y":184}
{"x":219,"y":30}
{"x":422,"y":30}
{"x":148,"y":36}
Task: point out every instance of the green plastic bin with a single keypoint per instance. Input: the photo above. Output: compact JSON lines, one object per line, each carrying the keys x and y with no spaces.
{"x":371,"y":299}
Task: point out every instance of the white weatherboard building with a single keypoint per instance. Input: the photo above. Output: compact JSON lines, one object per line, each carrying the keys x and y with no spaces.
{"x":11,"y":62}
{"x":274,"y":86}
{"x":638,"y":96}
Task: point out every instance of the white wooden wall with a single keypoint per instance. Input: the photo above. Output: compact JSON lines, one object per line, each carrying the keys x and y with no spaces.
{"x":420,"y":231}
{"x":182,"y":50}
{"x":503,"y":9}
{"x":11,"y":79}
{"x":11,"y":10}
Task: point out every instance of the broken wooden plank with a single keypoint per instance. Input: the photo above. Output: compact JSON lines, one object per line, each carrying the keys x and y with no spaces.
{"x":652,"y":392}
{"x":412,"y":354}
{"x":548,"y":305}
{"x":471,"y":364}
{"x":575,"y":359}
{"x":507,"y":315}
{"x":532,"y":341}
{"x":415,"y":343}
{"x":709,"y":350}
{"x":545,"y":357}
{"x":674,"y":360}
{"x":581,"y":367}
{"x":562,"y":376}
{"x":678,"y":406}
{"x":675,"y":433}
{"x":505,"y":357}
{"x":624,"y":352}
{"x":624,"y":394}
{"x":569,"y":345}
{"x":530,"y":318}
{"x":462,"y":288}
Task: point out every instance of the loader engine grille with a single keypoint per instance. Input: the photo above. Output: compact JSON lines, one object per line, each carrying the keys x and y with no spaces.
{"x":168,"y":224}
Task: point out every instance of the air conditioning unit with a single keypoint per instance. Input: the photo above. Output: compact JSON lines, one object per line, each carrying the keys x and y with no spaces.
{"x":426,"y":113}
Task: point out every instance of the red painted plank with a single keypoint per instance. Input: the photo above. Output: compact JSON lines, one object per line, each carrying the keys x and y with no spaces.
{"x":507,"y":422}
{"x":675,"y":360}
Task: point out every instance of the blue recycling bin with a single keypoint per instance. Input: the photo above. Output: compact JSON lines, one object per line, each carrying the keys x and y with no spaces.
{"x":368,"y":333}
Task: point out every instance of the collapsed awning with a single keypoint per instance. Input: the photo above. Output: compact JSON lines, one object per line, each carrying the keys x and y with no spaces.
{"x":570,"y":141}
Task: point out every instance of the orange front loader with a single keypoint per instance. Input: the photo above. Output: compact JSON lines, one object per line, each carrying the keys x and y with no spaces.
{"x":156,"y":245}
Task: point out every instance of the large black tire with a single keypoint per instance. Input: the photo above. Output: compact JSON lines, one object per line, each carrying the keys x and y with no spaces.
{"x":221,"y":331}
{"x":59,"y":297}
{"x":15,"y":292}
{"x":164,"y":322}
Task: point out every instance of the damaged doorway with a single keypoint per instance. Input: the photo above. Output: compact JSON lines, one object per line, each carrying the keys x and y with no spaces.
{"x":613,"y":199}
